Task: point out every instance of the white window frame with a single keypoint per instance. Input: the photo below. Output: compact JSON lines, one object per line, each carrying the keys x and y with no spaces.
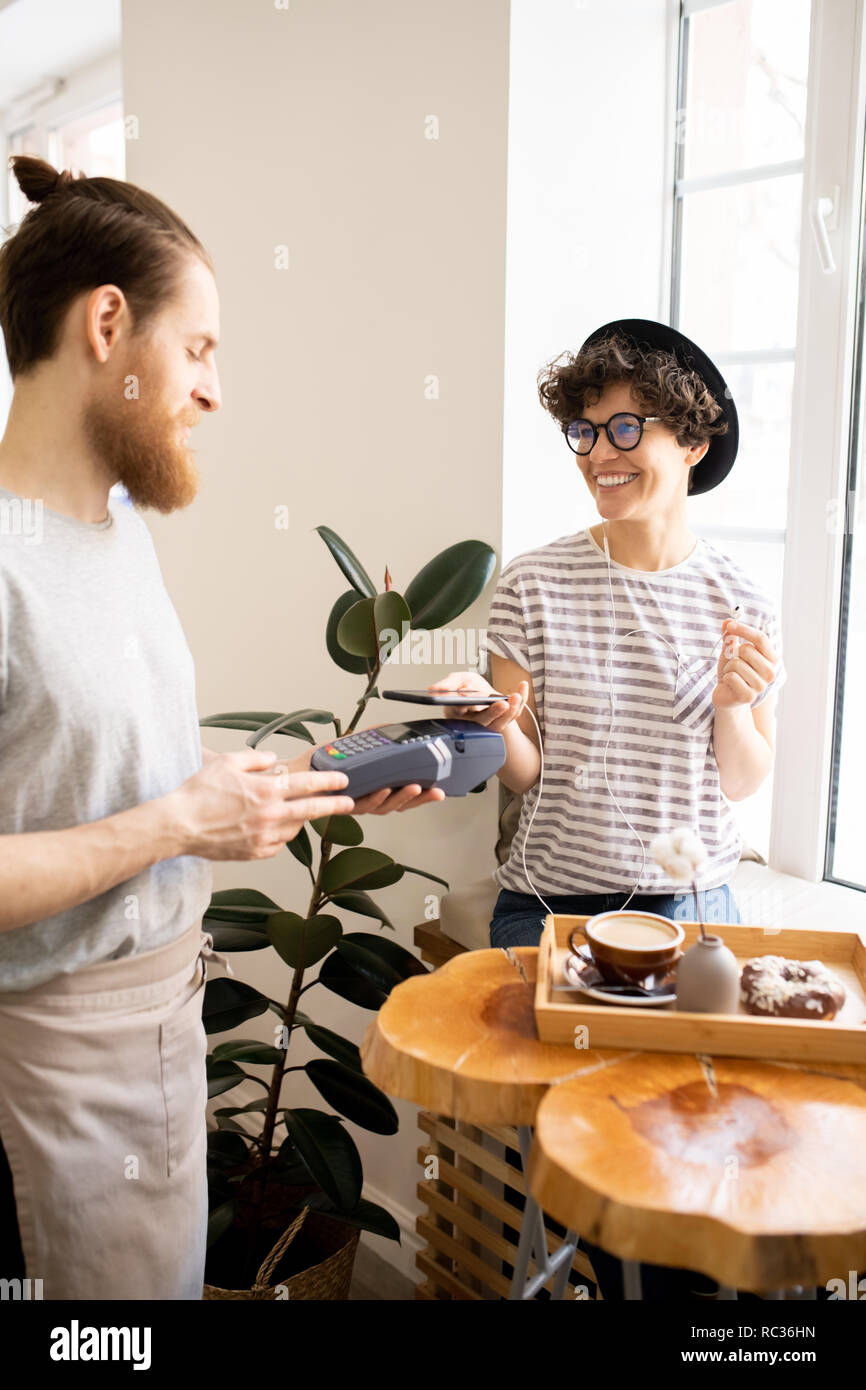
{"x":823,"y":366}
{"x":823,"y":373}
{"x":97,"y":84}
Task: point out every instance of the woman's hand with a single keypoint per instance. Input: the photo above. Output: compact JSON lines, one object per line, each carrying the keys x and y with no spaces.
{"x":496,"y":717}
{"x":383,"y":802}
{"x":747,"y":664}
{"x":380,"y":803}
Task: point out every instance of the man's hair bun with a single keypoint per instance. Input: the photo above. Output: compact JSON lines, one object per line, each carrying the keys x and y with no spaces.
{"x":38,"y":179}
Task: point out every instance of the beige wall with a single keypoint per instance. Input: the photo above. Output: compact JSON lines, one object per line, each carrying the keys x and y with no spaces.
{"x":306,"y":127}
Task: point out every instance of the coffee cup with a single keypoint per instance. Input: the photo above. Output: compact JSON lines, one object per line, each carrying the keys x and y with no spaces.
{"x":629,"y":946}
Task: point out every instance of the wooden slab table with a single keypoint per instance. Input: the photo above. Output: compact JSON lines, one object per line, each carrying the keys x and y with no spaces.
{"x":761,"y":1185}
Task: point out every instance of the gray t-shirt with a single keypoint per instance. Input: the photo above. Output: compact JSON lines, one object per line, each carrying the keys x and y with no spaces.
{"x":97,"y":714}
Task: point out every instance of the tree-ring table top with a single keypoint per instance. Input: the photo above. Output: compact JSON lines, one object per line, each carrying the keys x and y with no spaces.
{"x":462,"y":1041}
{"x":752,"y":1172}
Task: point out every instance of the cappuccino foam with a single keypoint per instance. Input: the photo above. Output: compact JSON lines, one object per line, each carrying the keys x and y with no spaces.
{"x":633,"y":932}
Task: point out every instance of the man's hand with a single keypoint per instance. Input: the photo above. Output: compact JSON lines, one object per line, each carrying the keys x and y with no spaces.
{"x":229,"y":810}
{"x":747,"y":664}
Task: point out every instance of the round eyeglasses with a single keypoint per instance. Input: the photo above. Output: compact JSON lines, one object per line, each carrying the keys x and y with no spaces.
{"x":624,"y":431}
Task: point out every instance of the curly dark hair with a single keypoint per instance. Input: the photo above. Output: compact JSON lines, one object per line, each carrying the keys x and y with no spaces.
{"x":660,"y":384}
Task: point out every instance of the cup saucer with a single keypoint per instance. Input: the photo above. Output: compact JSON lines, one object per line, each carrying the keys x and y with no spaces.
{"x":587,"y":979}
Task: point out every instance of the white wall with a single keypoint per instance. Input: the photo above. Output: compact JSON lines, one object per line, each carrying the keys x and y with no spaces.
{"x":589,"y":196}
{"x":307,"y":127}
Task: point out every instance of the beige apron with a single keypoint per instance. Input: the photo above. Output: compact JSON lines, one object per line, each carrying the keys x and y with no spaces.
{"x":102,"y":1116}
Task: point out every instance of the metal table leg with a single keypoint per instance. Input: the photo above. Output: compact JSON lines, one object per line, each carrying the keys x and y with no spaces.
{"x":532,"y":1243}
{"x":631,"y":1288}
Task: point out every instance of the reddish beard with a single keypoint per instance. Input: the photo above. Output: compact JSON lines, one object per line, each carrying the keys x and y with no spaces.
{"x":145,"y":451}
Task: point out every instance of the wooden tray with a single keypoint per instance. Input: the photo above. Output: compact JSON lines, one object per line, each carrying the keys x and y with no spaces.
{"x":843,"y":1039}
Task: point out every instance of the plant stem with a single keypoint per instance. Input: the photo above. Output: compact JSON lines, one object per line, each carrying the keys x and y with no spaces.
{"x":288,"y":1015}
{"x":365,"y":697}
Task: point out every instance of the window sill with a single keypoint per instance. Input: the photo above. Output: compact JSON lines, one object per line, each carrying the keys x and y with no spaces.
{"x":767,"y":897}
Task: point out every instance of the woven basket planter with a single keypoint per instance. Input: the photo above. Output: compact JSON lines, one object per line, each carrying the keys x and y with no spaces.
{"x":329,"y":1279}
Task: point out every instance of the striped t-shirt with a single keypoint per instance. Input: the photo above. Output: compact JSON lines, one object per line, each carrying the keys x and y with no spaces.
{"x":551,"y":614}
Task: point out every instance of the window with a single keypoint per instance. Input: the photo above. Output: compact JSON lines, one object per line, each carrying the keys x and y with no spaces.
{"x":92,"y":143}
{"x":844,"y":859}
{"x":739,"y":154}
{"x":21,"y":142}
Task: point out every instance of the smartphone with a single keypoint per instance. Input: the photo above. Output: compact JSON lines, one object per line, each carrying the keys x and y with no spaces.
{"x":423,"y":697}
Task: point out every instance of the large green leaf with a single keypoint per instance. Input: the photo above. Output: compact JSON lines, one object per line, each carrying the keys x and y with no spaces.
{"x":340,"y":830}
{"x":381,"y":878}
{"x":366,"y":1215}
{"x":371,"y":967}
{"x":449,"y":583}
{"x":229,"y":938}
{"x":219,"y":1221}
{"x":242,"y":719}
{"x":424,"y":874}
{"x":337,"y":975}
{"x":301,"y":848}
{"x":337,"y":1047}
{"x":399,"y":959}
{"x":357,"y":665}
{"x":226,"y":1122}
{"x":308,"y":715}
{"x":259,"y":1106}
{"x":225,"y":1150}
{"x":222,"y":1076}
{"x":292,"y":724}
{"x":329,"y":1152}
{"x":287,"y":1165}
{"x":361,"y":903}
{"x":350,"y":865}
{"x":356,"y":631}
{"x":228,"y":1003}
{"x":348,"y":562}
{"x":391,"y":614}
{"x":228,"y":722}
{"x":248,"y":900}
{"x":303,"y":941}
{"x":283,"y":725}
{"x":353,"y":1096}
{"x":249,"y":1050}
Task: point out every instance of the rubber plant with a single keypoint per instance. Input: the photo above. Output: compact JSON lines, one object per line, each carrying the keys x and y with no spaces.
{"x":269,"y":1158}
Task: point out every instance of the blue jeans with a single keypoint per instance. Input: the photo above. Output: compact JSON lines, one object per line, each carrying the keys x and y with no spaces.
{"x":518,"y":919}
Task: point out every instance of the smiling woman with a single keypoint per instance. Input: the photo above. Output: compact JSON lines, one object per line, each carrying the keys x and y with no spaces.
{"x":652,"y":381}
{"x":619,"y":633}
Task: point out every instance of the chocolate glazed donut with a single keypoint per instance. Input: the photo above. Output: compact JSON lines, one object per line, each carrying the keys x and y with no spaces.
{"x":784,"y":988}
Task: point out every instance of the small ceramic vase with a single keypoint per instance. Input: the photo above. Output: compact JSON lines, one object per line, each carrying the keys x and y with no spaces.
{"x":708,"y":978}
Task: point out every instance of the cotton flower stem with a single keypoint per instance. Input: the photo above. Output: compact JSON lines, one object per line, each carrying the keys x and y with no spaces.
{"x":698,"y":906}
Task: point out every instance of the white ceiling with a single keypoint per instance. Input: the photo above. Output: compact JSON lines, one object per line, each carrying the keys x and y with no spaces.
{"x":40,"y":39}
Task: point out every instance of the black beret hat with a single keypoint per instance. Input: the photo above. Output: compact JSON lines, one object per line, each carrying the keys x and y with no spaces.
{"x":718,"y":461}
